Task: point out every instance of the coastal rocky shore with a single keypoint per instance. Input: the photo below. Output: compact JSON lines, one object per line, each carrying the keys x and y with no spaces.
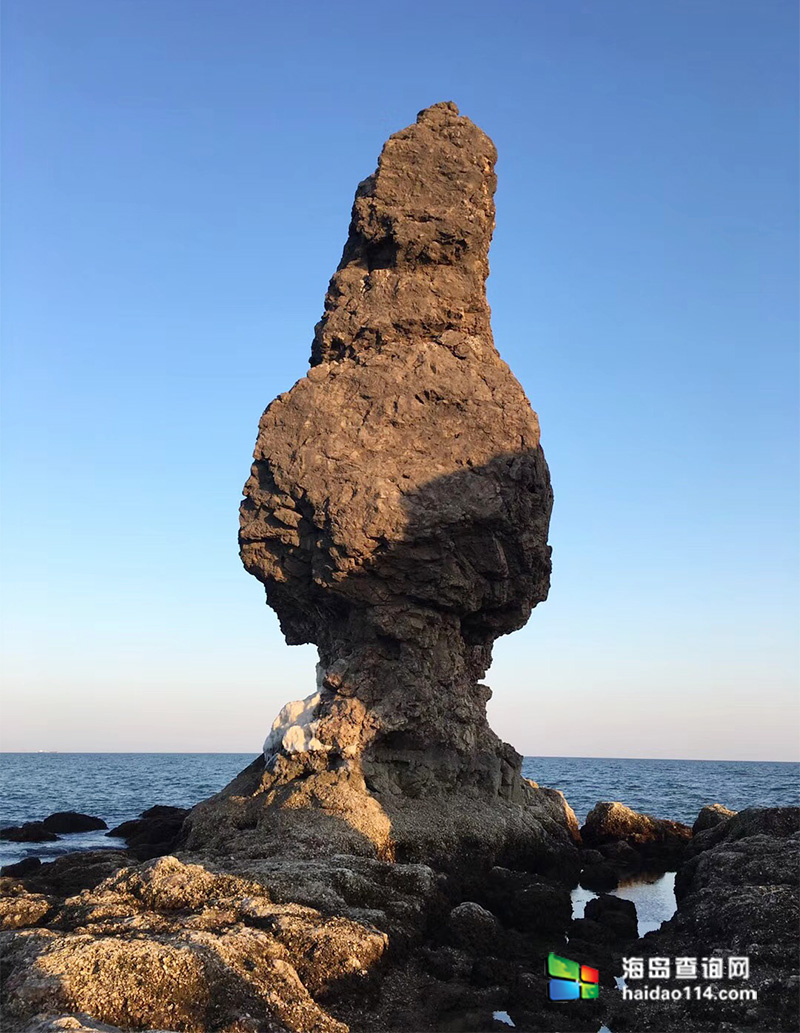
{"x":383,"y":865}
{"x":102,"y":941}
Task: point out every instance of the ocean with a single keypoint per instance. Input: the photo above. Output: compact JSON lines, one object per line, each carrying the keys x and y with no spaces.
{"x":118,"y":786}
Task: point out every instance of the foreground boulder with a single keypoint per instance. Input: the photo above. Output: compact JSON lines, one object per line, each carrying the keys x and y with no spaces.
{"x":302,"y":945}
{"x":658,"y":841}
{"x":397,"y":514}
{"x":175,"y":946}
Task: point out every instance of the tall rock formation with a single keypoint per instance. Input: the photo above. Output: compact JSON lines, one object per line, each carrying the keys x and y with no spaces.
{"x":397,"y":514}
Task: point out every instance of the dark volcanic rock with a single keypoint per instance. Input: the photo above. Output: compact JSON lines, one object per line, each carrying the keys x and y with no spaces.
{"x":71,"y":873}
{"x":471,"y":928}
{"x":739,"y":897}
{"x":397,"y":514}
{"x":23,"y":867}
{"x":154,"y":833}
{"x":600,"y":876}
{"x":72,"y":821}
{"x":776,"y":822}
{"x":620,"y":854}
{"x":523,"y":901}
{"x":30,"y":832}
{"x":658,"y":841}
{"x":616,"y":915}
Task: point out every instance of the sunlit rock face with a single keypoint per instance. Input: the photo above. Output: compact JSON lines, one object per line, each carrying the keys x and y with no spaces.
{"x":398,"y":505}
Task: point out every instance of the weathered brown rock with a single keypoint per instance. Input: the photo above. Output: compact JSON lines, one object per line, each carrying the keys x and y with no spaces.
{"x":175,"y":946}
{"x":659,"y":841}
{"x":397,"y":514}
{"x":711,"y":816}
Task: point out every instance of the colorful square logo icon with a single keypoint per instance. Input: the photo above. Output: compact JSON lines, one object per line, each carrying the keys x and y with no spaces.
{"x":571,"y":981}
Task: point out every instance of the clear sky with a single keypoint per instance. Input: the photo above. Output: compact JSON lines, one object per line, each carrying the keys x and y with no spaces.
{"x":178,"y":176}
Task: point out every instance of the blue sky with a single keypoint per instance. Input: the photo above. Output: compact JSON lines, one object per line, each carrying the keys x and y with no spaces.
{"x":177,"y":184}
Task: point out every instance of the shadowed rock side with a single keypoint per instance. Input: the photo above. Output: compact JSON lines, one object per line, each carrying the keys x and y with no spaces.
{"x":397,"y":514}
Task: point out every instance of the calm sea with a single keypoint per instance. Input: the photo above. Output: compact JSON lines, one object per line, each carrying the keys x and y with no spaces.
{"x":118,"y":786}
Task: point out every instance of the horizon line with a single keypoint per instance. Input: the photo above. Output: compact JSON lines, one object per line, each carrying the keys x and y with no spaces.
{"x":256,"y":753}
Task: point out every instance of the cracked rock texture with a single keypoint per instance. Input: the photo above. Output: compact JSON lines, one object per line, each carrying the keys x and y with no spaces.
{"x":397,"y":514}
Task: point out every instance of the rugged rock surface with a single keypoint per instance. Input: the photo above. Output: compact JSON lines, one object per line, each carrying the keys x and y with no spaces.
{"x":710,"y":816}
{"x":738,"y":896}
{"x":775,"y":822}
{"x":23,"y":867}
{"x":659,"y":842}
{"x":46,"y":831}
{"x":616,"y":916}
{"x":397,"y":513}
{"x":154,"y":833}
{"x":179,"y":947}
{"x":274,"y":945}
{"x":30,"y":832}
{"x":73,"y":821}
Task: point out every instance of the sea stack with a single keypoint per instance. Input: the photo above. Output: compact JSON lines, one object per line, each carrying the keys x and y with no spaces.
{"x":397,"y":514}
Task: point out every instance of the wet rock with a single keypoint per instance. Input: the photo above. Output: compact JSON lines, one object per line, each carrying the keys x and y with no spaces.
{"x":614,"y":914}
{"x":710,"y":816}
{"x":397,"y":514}
{"x":72,"y":821}
{"x":154,"y":833}
{"x":658,"y":841}
{"x":30,"y":832}
{"x":600,"y":877}
{"x":23,"y":867}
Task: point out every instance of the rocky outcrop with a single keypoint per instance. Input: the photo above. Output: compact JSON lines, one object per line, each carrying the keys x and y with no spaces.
{"x":775,"y":822}
{"x":659,"y":843}
{"x":710,"y":816}
{"x":73,"y":821}
{"x":46,"y":831}
{"x":23,"y":867}
{"x":175,"y":946}
{"x":617,"y":917}
{"x":397,"y":514}
{"x":296,"y":945}
{"x":738,"y":896}
{"x":30,"y":832}
{"x":154,"y":833}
